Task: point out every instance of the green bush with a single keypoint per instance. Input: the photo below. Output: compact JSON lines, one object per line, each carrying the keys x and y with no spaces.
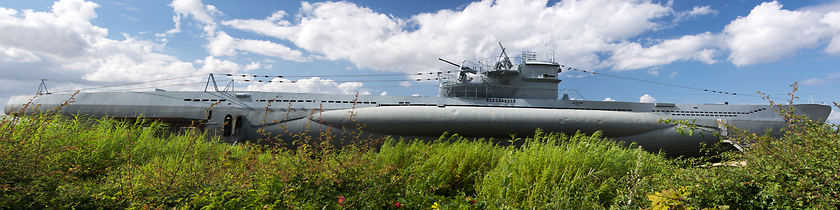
{"x":799,"y":170}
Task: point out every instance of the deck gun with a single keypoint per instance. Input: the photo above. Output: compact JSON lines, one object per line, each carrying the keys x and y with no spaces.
{"x":462,"y":77}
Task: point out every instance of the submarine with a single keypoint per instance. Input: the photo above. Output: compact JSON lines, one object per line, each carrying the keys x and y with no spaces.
{"x":499,"y":101}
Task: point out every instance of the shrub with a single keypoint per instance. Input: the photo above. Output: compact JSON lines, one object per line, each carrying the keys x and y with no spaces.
{"x":796,"y":171}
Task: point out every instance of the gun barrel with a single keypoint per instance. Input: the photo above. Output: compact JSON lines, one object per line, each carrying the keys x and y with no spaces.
{"x":441,"y":59}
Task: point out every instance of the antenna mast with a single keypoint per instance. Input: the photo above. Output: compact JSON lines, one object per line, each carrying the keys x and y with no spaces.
{"x":229,"y":85}
{"x":211,"y":78}
{"x":43,"y":87}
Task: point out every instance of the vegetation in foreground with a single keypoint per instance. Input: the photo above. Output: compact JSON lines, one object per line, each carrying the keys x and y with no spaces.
{"x":50,"y":161}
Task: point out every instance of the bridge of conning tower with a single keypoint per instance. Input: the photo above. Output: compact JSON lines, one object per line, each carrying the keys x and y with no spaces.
{"x":528,"y":79}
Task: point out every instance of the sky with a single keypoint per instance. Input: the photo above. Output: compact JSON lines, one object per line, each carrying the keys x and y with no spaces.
{"x":642,"y":50}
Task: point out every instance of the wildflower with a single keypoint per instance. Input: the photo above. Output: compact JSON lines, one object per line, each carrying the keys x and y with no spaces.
{"x":435,"y":206}
{"x":341,"y":200}
{"x":398,"y":205}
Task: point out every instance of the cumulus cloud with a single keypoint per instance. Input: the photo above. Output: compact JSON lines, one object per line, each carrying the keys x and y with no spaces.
{"x":64,"y":33}
{"x":62,"y":43}
{"x":647,"y":99}
{"x":595,"y":34}
{"x":770,"y":33}
{"x":343,"y":30}
{"x":609,"y":99}
{"x":311,"y":85}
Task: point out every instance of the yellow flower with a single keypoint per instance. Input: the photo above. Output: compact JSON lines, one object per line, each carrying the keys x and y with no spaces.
{"x":435,"y":206}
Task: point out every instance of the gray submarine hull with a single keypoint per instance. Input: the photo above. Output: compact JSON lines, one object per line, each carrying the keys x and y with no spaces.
{"x":293,"y":118}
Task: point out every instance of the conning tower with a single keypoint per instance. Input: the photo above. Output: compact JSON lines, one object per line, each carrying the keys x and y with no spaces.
{"x":529,"y":79}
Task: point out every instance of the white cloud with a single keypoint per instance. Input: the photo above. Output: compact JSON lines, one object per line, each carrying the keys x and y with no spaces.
{"x":17,"y":55}
{"x":609,"y":99}
{"x":383,"y":93}
{"x":270,"y":49}
{"x":311,"y":85}
{"x":212,"y":65}
{"x":770,"y":33}
{"x":170,"y":32}
{"x":222,"y":44}
{"x":834,"y":117}
{"x":415,"y":95}
{"x":198,"y":10}
{"x":829,"y":79}
{"x":673,"y":74}
{"x":64,"y":33}
{"x":62,"y":43}
{"x":690,"y":47}
{"x":647,"y":99}
{"x":343,"y":30}
{"x":405,"y":84}
{"x":695,"y":12}
{"x":252,"y":66}
{"x":833,"y":21}
{"x":129,"y":17}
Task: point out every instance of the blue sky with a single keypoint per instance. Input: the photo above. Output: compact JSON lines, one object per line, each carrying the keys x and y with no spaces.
{"x":731,"y":46}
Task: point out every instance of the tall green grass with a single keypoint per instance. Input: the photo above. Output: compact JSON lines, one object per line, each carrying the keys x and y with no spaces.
{"x":52,"y":161}
{"x":558,"y":171}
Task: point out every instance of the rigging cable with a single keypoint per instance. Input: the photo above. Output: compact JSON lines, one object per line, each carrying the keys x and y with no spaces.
{"x":173,"y":85}
{"x":680,"y":86}
{"x":134,"y":83}
{"x":659,"y":83}
{"x":326,"y":76}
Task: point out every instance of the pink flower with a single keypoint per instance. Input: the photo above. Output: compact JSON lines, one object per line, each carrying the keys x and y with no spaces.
{"x":341,"y":200}
{"x":398,"y":205}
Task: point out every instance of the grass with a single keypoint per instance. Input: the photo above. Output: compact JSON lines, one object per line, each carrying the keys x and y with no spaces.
{"x":54,"y":161}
